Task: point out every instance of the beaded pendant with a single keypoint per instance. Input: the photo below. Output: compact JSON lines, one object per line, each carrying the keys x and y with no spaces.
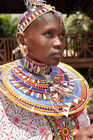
{"x":62,"y":127}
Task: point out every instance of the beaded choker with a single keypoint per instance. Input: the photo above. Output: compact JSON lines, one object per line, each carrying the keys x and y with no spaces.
{"x":36,"y":68}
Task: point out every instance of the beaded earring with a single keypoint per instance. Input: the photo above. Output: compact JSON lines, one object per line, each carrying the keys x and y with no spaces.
{"x":21,"y":50}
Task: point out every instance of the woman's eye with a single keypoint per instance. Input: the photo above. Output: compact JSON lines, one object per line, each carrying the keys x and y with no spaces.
{"x":49,"y":34}
{"x":62,"y":35}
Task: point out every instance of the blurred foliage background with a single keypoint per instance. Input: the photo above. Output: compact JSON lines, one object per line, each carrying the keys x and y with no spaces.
{"x":78,"y":23}
{"x":8,"y":25}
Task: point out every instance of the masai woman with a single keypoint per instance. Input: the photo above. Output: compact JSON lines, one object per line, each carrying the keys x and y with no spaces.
{"x":41,"y":99}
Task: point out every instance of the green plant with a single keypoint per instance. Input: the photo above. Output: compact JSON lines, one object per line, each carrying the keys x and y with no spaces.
{"x":77,"y":23}
{"x":8,"y":25}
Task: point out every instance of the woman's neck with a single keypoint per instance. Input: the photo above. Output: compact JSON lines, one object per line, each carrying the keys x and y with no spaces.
{"x":36,"y":67}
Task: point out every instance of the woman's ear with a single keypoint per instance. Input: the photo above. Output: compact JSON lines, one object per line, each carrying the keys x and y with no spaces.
{"x":20,"y":38}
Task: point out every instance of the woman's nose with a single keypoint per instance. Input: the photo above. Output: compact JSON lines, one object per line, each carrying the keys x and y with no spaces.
{"x":59,"y":43}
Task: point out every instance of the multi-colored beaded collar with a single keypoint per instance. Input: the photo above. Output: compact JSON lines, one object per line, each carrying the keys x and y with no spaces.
{"x":62,"y":91}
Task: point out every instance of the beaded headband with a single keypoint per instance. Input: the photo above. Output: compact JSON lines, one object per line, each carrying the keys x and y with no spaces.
{"x":35,"y":10}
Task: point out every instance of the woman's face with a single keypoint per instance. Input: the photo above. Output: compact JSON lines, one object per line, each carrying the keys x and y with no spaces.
{"x":45,"y":39}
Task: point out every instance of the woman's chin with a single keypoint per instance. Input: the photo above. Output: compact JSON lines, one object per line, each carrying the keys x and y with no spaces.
{"x":53,"y":63}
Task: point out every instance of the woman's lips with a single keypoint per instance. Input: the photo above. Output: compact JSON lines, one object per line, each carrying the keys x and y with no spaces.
{"x":57,"y":55}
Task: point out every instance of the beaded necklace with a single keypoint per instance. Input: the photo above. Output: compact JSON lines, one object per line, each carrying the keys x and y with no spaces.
{"x":59,"y":132}
{"x":60,"y":91}
{"x":36,"y":68}
{"x":63,"y":128}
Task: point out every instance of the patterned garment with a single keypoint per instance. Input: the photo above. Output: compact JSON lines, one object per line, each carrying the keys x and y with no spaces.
{"x":17,"y":123}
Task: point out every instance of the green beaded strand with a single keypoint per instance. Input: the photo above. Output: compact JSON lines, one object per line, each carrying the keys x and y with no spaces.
{"x":53,"y":126}
{"x":70,"y":127}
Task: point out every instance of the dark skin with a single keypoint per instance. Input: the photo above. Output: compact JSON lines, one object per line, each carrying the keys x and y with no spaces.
{"x":45,"y":39}
{"x":84,"y":133}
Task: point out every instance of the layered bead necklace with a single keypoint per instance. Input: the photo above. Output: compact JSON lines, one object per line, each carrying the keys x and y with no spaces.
{"x":59,"y":133}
